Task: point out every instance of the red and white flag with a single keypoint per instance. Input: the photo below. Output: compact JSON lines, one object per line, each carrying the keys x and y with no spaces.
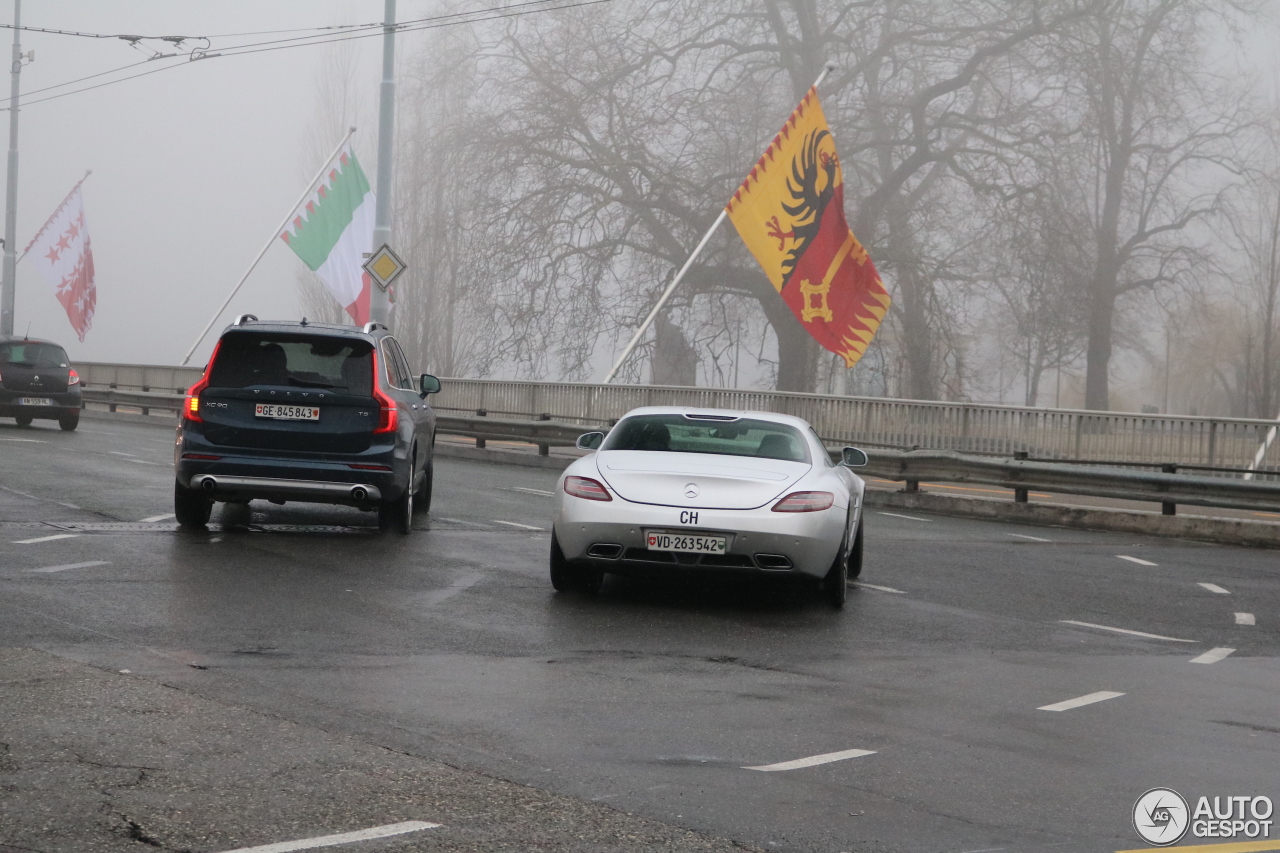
{"x":61,"y":252}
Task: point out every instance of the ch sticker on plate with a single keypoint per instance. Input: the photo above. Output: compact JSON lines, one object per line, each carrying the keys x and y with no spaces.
{"x":286,"y":413}
{"x":661,"y":540}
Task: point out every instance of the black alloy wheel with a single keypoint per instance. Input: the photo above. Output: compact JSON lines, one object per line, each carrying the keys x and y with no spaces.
{"x":397,"y":515}
{"x":570,"y":578}
{"x":835,"y":586}
{"x":191,"y":508}
{"x":69,"y":421}
{"x":423,"y":498}
{"x":855,"y":558}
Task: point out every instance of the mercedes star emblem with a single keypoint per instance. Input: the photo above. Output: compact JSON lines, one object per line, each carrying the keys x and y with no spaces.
{"x":691,"y":490}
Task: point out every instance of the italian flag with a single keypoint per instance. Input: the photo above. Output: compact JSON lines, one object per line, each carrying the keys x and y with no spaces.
{"x":333,"y":229}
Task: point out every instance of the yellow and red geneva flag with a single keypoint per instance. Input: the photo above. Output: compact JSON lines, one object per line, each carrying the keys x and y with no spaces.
{"x":790,"y":213}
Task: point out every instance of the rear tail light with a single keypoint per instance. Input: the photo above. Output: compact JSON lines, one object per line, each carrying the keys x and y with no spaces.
{"x":805,"y":502}
{"x":388,"y":414}
{"x":191,"y":403}
{"x":587,"y":488}
{"x":73,"y":378}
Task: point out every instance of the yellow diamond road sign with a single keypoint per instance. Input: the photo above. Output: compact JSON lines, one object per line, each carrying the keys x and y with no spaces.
{"x":384,"y":266}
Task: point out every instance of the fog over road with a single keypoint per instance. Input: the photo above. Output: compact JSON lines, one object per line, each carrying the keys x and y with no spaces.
{"x":943,"y":710}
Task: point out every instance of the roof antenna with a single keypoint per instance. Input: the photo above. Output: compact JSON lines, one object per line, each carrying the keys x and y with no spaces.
{"x":26,"y":336}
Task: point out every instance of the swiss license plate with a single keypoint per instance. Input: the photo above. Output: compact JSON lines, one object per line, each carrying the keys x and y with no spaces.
{"x":661,"y":540}
{"x":286,"y":413}
{"x":34,"y":401}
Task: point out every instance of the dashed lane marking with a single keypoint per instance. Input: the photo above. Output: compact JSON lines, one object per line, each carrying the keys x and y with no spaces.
{"x":1123,"y":631}
{"x":385,"y":831}
{"x":1213,"y":587}
{"x":26,"y":440}
{"x":1025,"y":536}
{"x":542,"y":492}
{"x":153,"y":519}
{"x":813,"y":760}
{"x":881,"y":588}
{"x":48,"y":570}
{"x":1213,"y":655}
{"x":1137,"y":560}
{"x":119,"y":453}
{"x":518,"y":524}
{"x":46,"y":538}
{"x":141,"y":462}
{"x":1081,"y":701}
{"x":1245,"y":619}
{"x":897,"y":515}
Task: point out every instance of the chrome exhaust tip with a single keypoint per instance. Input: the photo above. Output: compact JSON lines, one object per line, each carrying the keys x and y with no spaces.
{"x":359,"y":493}
{"x":208,"y":484}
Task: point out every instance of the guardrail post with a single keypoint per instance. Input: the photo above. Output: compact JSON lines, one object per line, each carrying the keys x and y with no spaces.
{"x":544,"y":449}
{"x":1020,"y":495}
{"x":480,"y":413}
{"x":1167,"y":508}
{"x":111,"y":407}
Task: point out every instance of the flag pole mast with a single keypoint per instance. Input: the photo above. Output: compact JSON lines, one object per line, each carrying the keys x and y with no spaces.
{"x":270,"y":241}
{"x":9,"y":277}
{"x":666,"y":294}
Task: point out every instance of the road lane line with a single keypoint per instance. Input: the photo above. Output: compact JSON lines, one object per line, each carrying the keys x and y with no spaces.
{"x":1245,"y":619}
{"x":1228,"y":847}
{"x":1124,"y":631}
{"x":1213,"y":655}
{"x":1213,"y":587}
{"x":87,"y":565}
{"x":881,"y":588}
{"x":26,"y":440}
{"x":119,"y":453}
{"x":813,"y":760}
{"x":1081,"y":701}
{"x":385,"y":831}
{"x":46,"y":538}
{"x":897,"y":515}
{"x":543,"y":492}
{"x":518,"y":524}
{"x":141,"y":462}
{"x":1140,"y":562}
{"x":153,"y":519}
{"x":1025,"y":536}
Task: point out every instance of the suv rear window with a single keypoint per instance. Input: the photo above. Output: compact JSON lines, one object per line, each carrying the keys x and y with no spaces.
{"x":33,"y":355}
{"x":299,"y":361}
{"x":737,"y":437}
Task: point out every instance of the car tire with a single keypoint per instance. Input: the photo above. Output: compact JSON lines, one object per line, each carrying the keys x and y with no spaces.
{"x":69,"y":422}
{"x":835,"y":586}
{"x":397,"y":515}
{"x":855,"y":557}
{"x":23,"y":420}
{"x":422,"y":502}
{"x":191,"y":508}
{"x":569,"y":578}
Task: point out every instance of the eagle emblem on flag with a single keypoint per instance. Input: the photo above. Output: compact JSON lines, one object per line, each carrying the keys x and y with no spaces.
{"x":790,"y":213}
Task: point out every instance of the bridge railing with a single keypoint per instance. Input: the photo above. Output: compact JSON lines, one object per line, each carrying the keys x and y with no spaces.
{"x":1119,"y":438}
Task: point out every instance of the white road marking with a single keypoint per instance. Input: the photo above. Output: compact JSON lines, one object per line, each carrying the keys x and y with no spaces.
{"x":46,"y":538}
{"x":461,"y":584}
{"x":89,"y":564}
{"x":1245,"y":619}
{"x":1136,"y":560}
{"x":1079,"y":701}
{"x":517,"y":524}
{"x":542,"y":492}
{"x":898,"y":515}
{"x":813,"y":760}
{"x":1213,"y":587}
{"x":385,"y":831}
{"x":119,"y":453}
{"x":1213,"y":655}
{"x":1025,"y":536}
{"x":153,"y":519}
{"x":141,"y":462}
{"x":1123,"y":631}
{"x":881,"y":588}
{"x":26,"y":440}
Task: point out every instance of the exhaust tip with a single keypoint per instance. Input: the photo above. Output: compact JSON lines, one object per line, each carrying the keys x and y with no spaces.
{"x":773,"y":562}
{"x":605,"y":551}
{"x":208,"y":484}
{"x":359,"y":493}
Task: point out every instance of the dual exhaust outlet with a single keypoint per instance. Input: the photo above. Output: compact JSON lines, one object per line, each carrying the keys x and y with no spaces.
{"x":266,"y":487}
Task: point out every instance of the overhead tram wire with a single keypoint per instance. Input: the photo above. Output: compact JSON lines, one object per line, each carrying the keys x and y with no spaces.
{"x":437,"y":22}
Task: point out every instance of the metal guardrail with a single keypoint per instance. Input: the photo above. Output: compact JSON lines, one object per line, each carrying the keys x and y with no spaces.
{"x":866,"y":421}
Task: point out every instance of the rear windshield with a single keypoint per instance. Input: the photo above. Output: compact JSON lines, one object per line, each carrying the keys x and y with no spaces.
{"x":28,"y":354}
{"x":299,"y":361}
{"x":741,"y":437}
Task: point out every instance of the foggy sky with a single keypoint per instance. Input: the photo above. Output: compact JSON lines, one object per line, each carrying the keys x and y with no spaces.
{"x":192,"y":167}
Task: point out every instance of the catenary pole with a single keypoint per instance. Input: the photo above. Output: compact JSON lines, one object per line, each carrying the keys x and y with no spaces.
{"x":666,"y":294}
{"x":9,"y":281}
{"x":270,"y":242}
{"x":379,"y":299}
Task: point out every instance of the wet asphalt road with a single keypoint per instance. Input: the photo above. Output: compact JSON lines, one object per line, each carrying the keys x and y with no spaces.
{"x":654,"y":697}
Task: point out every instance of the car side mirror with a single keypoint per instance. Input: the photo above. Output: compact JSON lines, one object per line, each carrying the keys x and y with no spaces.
{"x":428,"y":384}
{"x":852,"y":457}
{"x":590,"y":441}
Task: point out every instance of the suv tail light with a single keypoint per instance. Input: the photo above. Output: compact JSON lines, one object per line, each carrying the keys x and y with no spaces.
{"x":585,"y":487}
{"x":191,"y":403}
{"x":805,"y":502}
{"x":388,"y":413}
{"x":73,"y":378}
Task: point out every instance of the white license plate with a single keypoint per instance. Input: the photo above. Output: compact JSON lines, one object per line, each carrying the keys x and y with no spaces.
{"x":661,"y":540}
{"x":286,"y":413}
{"x":34,"y":401}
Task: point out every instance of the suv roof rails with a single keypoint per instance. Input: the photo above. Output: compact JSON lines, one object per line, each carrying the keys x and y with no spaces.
{"x":370,"y":327}
{"x":245,"y":318}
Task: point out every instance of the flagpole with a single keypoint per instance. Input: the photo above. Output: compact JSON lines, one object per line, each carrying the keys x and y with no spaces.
{"x":270,"y":241}
{"x":662,"y":300}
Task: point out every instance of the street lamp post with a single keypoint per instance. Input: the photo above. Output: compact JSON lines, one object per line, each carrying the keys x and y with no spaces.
{"x":379,"y":299}
{"x":11,"y":188}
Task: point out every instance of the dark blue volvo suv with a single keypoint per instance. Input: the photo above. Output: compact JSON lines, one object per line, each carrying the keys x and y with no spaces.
{"x":291,"y":411}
